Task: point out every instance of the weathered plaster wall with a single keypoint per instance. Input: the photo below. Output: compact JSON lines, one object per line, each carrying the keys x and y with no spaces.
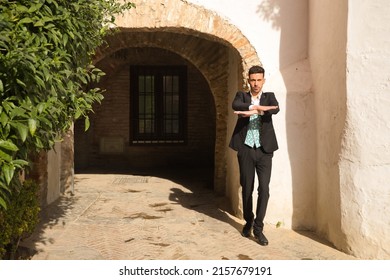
{"x":327,"y":26}
{"x":349,"y":56}
{"x":293,"y":184}
{"x":270,"y":26}
{"x":365,"y":156}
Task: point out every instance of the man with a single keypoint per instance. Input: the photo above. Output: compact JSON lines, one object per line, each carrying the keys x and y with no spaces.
{"x":255,"y":141}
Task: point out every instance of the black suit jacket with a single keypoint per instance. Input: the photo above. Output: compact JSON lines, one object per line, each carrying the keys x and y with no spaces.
{"x":241,"y":102}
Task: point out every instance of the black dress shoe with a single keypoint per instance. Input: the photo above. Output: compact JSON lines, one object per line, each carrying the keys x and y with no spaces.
{"x":263,"y":241}
{"x":246,"y":231}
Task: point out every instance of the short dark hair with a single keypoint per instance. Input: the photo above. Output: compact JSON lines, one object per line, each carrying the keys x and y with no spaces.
{"x":256,"y":69}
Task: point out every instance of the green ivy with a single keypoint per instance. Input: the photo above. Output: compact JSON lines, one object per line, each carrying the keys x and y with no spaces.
{"x":46,"y":73}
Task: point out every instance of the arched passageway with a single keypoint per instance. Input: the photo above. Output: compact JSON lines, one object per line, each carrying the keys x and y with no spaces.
{"x":216,"y":55}
{"x":110,"y":143}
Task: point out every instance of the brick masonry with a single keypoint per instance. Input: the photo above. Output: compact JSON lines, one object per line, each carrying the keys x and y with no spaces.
{"x":112,"y":118}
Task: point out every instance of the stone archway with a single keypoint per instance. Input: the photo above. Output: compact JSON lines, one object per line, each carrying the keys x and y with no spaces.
{"x":187,"y":18}
{"x":200,"y":36}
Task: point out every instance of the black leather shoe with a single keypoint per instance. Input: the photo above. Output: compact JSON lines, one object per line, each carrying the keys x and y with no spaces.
{"x":263,"y":241}
{"x":246,"y":231}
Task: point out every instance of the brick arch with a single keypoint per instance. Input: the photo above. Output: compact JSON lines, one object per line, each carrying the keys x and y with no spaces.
{"x":201,"y":37}
{"x":186,"y":18}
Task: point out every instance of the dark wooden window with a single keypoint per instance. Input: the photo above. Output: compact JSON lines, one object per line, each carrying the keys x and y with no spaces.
{"x":158,"y":104}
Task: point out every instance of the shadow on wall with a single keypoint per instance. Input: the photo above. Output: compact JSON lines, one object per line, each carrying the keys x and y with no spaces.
{"x":291,"y":19}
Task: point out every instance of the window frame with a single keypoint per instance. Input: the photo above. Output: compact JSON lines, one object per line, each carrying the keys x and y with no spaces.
{"x":157,"y":136}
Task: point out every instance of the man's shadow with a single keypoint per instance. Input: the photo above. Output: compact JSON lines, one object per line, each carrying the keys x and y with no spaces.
{"x":200,"y":197}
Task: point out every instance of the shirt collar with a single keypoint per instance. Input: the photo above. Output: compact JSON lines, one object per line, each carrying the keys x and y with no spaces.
{"x":258,"y":96}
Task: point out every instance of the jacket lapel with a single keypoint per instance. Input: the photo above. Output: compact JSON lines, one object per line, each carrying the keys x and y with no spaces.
{"x":262,"y":98}
{"x":248,"y":98}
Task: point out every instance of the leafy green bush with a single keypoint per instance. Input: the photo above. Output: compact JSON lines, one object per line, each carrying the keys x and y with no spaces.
{"x":20,"y":219}
{"x":46,"y":73}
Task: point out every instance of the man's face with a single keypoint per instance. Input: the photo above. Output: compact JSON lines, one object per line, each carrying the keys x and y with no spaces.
{"x":256,"y":82}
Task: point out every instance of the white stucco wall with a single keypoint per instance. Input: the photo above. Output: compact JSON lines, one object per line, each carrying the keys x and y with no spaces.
{"x":293,"y":183}
{"x":327,"y":56}
{"x":365,"y":157}
{"x":349,"y":56}
{"x":277,"y":29}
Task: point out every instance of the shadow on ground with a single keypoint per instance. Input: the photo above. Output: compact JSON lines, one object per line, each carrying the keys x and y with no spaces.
{"x":193,"y":191}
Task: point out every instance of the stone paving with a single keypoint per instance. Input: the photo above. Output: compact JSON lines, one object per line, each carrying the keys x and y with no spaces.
{"x":152,"y":217}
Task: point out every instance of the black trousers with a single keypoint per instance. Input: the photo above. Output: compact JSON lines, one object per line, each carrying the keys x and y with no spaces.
{"x":253,"y":160}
